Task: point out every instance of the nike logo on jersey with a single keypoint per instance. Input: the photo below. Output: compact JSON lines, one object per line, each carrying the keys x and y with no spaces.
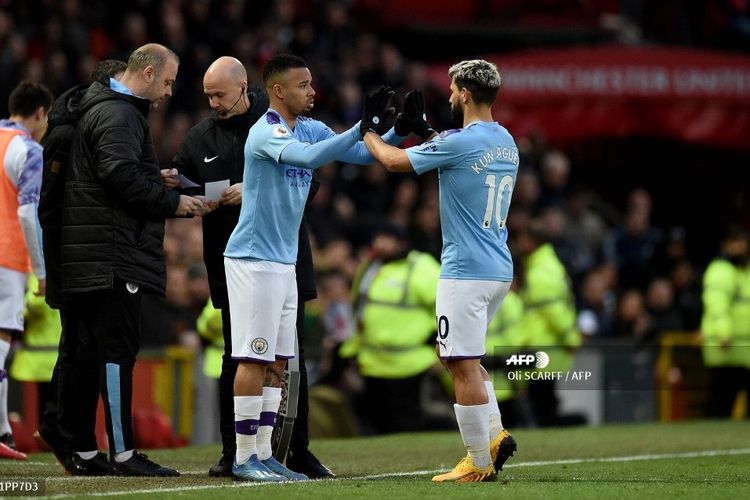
{"x":206,"y":159}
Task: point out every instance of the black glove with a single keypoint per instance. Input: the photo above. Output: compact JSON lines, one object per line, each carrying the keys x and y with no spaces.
{"x":375,"y":111}
{"x":413,"y":118}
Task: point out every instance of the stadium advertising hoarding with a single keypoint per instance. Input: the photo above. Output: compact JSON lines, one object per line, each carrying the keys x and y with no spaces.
{"x":694,"y":96}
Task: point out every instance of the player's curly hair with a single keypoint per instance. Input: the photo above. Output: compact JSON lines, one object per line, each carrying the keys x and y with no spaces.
{"x":479,"y":77}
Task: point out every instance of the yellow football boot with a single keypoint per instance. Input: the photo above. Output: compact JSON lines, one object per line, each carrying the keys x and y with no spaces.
{"x":502,"y":447}
{"x":466,"y":472}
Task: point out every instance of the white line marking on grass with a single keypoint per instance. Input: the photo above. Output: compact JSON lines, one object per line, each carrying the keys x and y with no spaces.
{"x":635,"y":458}
{"x":199,"y":487}
{"x":631,"y":458}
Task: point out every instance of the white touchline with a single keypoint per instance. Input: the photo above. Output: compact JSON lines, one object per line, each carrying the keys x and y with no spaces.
{"x":634,"y":458}
{"x":568,"y":461}
{"x":631,"y":458}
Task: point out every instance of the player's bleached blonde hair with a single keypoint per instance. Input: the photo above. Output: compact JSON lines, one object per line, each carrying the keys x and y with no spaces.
{"x":478,"y":76}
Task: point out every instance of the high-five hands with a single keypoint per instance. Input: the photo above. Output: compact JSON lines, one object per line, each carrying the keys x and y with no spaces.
{"x":413,"y":118}
{"x":375,"y":111}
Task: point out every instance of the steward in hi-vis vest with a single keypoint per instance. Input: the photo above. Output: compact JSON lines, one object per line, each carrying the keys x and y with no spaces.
{"x":549,"y":319}
{"x":725,"y":326}
{"x":210,"y":329}
{"x":394,"y":299}
{"x":35,"y":359}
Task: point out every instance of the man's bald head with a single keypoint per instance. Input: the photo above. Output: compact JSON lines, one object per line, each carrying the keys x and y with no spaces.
{"x":151,"y":54}
{"x":225,"y":85}
{"x":151,"y":72}
{"x":228,"y":69}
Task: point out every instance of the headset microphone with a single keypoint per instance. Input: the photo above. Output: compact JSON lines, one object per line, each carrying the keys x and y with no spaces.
{"x":235,"y":102}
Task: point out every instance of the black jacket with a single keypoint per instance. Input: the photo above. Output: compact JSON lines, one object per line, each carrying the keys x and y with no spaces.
{"x":57,"y":144}
{"x":214,"y":150}
{"x":115,"y":202}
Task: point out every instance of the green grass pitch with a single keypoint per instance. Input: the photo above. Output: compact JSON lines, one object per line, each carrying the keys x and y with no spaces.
{"x":685,"y":460}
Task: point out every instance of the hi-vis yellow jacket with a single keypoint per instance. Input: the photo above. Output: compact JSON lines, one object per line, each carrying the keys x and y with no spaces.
{"x":210,"y":328}
{"x":726,"y":314}
{"x":36,"y":358}
{"x":395,"y":309}
{"x":549,"y":320}
{"x":504,"y":337}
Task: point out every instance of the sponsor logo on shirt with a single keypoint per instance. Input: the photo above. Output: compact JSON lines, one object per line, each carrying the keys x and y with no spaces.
{"x":299,"y":177}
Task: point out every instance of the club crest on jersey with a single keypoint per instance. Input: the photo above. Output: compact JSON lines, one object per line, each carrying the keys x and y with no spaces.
{"x":280,"y":131}
{"x":259,"y":345}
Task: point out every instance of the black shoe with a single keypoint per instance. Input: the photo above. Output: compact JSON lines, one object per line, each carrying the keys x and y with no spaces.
{"x":307,"y":464}
{"x":97,"y":466}
{"x":49,"y":441}
{"x":223,"y":468}
{"x":7,"y":440}
{"x":140,"y":465}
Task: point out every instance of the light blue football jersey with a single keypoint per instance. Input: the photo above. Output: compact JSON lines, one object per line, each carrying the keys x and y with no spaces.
{"x":477,"y":168}
{"x":279,"y":164}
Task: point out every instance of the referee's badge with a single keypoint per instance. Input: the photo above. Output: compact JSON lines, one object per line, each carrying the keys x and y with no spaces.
{"x":259,"y":345}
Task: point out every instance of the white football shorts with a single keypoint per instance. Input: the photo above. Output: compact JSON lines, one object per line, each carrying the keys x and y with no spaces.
{"x":263,"y":309}
{"x":464,"y":310}
{"x":12,"y":293}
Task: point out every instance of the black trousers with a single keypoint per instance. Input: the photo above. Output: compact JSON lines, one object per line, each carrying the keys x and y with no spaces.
{"x":71,"y":389}
{"x":300,"y":438}
{"x":110,"y":339}
{"x":544,"y":402}
{"x":726,"y":383}
{"x":392,"y":405}
{"x":226,"y":389}
{"x":299,"y":441}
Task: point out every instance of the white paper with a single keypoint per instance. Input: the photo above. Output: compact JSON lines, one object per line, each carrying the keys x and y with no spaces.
{"x":214,"y":189}
{"x":187,"y":183}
